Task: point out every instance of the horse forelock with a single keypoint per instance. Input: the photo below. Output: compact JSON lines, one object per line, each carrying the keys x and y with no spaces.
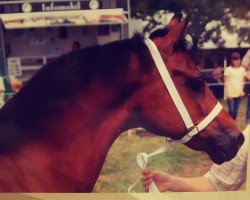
{"x":182,"y":44}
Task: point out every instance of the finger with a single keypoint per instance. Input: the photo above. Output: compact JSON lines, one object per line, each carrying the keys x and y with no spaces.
{"x":145,"y":172}
{"x":146,"y":177}
{"x":146,"y":188}
{"x":147,"y":183}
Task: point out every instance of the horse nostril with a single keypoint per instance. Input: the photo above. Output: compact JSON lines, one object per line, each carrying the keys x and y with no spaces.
{"x":240,"y":139}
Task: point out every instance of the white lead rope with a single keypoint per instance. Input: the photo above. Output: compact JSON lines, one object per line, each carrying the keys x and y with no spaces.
{"x":142,"y":159}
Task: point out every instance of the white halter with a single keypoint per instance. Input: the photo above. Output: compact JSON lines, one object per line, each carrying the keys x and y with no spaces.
{"x":192,"y":129}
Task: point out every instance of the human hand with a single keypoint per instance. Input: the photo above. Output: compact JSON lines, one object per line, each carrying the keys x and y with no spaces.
{"x":242,"y":94}
{"x":161,"y":180}
{"x":229,"y":97}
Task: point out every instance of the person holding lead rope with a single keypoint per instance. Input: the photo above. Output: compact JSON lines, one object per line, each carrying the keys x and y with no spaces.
{"x":229,"y":176}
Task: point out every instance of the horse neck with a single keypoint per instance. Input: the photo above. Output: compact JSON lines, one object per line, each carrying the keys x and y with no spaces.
{"x":75,"y":144}
{"x":84,"y":157}
{"x":109,"y":113}
{"x":104,"y":119}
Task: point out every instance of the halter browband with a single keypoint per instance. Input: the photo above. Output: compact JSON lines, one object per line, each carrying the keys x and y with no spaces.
{"x":192,"y":130}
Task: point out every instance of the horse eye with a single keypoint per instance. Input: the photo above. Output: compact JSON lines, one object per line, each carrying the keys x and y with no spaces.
{"x":197,"y":84}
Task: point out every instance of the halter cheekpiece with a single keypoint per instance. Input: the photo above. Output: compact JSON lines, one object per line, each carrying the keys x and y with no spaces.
{"x":192,"y":129}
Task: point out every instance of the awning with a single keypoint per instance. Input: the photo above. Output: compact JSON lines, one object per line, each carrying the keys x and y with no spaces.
{"x":63,"y":18}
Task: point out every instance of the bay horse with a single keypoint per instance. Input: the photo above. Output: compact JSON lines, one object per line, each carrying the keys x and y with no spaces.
{"x":56,"y":131}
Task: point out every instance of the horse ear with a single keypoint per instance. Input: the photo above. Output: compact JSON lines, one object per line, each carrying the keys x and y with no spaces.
{"x":177,"y":28}
{"x":176,"y":19}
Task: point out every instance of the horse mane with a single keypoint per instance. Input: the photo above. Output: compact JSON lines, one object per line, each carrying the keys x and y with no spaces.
{"x":162,"y":32}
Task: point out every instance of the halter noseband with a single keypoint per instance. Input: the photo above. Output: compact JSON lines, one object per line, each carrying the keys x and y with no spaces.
{"x":192,"y":130}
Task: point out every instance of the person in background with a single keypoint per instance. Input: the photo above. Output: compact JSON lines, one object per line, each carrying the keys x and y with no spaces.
{"x":16,"y":84}
{"x":2,"y":89}
{"x":229,"y":176}
{"x":217,"y":79}
{"x":234,"y":77}
{"x":246,"y":63}
{"x":76,"y":46}
{"x":217,"y":72}
{"x":246,"y":59}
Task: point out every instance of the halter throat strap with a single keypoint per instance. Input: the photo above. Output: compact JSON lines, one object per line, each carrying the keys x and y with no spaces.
{"x":192,"y":130}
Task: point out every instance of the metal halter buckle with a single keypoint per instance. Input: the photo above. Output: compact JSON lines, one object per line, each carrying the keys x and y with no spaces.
{"x":191,"y":131}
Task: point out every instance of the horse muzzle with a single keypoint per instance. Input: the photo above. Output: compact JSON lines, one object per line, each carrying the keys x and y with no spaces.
{"x":223,"y":148}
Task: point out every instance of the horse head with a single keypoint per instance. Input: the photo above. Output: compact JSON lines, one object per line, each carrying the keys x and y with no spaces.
{"x":221,"y":138}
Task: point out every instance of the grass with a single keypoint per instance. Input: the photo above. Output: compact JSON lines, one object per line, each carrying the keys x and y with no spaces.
{"x":121,"y":170}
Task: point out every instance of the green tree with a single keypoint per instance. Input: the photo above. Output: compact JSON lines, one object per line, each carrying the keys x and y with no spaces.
{"x":202,"y":13}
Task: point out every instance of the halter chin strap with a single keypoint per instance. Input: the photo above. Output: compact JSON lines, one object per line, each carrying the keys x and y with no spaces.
{"x":192,"y":130}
